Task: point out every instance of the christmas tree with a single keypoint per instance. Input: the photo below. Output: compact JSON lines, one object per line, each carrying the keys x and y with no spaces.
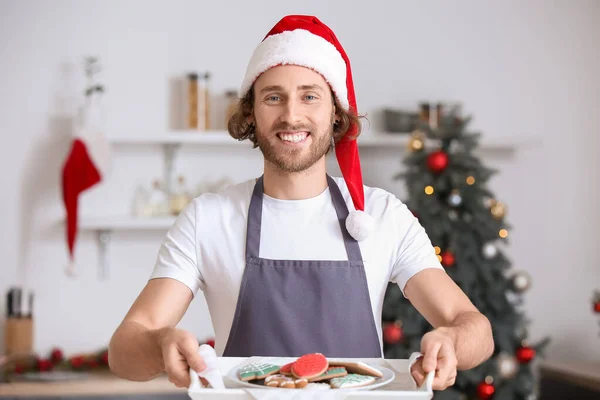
{"x":447,"y":191}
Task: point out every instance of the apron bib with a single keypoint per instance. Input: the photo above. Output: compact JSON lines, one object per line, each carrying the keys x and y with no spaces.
{"x":287,"y":308}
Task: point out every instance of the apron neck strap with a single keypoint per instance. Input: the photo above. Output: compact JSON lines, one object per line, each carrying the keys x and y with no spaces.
{"x":255,"y":220}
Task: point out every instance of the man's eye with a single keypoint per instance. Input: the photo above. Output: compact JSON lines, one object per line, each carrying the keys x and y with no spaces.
{"x":310,"y":97}
{"x":273,"y":98}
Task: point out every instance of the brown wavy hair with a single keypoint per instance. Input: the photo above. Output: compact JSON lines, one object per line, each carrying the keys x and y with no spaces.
{"x":240,"y":129}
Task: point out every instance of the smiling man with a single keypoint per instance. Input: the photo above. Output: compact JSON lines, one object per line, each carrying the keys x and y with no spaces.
{"x":297,"y":261}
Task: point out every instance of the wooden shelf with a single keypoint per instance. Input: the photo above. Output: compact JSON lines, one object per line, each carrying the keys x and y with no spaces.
{"x":367,"y":139}
{"x":125,"y":223}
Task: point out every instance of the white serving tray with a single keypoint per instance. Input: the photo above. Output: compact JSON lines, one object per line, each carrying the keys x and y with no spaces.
{"x":403,"y":387}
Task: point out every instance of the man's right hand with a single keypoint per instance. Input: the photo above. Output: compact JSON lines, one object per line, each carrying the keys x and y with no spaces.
{"x":180,"y":353}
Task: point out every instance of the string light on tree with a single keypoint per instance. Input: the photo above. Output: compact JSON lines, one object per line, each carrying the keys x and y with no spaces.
{"x":470,"y":180}
{"x":429,"y":190}
{"x":503,"y":233}
{"x":489,"y":250}
{"x":486,"y":389}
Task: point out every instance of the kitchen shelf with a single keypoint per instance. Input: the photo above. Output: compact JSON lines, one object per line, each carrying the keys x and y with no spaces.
{"x":367,"y":139}
{"x":171,"y":141}
{"x":125,"y":223}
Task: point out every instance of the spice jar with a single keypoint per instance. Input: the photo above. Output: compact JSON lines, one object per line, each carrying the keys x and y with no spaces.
{"x":192,"y":101}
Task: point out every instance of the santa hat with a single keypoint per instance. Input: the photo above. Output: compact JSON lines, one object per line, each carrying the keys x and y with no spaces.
{"x":86,"y":165}
{"x":305,"y":41}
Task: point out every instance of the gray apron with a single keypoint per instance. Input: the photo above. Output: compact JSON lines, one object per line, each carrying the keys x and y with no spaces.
{"x":287,"y":308}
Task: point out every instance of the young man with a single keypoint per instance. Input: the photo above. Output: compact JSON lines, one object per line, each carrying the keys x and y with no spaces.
{"x":297,"y":261}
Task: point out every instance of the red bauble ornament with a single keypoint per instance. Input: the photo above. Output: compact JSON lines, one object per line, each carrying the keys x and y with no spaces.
{"x":392,"y":333}
{"x":597,"y":307}
{"x":92,"y":363}
{"x":437,"y":161}
{"x":19,"y":369}
{"x":56,"y":356}
{"x":525,"y":354}
{"x":44,"y":365}
{"x":211,"y":343}
{"x":447,"y":259}
{"x":485,"y":390}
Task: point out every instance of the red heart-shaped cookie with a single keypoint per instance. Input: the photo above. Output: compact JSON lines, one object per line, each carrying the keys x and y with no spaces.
{"x":287,"y":369}
{"x":310,"y":365}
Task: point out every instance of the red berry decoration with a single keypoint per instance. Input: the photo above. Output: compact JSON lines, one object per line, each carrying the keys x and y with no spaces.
{"x":77,"y":361}
{"x":19,"y":369}
{"x":92,"y":363}
{"x":392,"y":332}
{"x":525,"y":354}
{"x":56,"y":356}
{"x":104,"y":357}
{"x":597,"y":307}
{"x":44,"y":365}
{"x":485,"y":390}
{"x":437,"y":161}
{"x":447,"y":259}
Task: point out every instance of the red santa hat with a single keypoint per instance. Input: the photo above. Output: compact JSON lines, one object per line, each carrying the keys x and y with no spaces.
{"x":305,"y":41}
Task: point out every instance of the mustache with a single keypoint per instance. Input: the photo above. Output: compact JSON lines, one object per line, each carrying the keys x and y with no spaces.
{"x":284,"y":126}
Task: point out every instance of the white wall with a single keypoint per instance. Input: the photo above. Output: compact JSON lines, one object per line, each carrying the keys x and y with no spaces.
{"x":522,"y":68}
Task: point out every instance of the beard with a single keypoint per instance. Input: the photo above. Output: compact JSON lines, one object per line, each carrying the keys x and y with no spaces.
{"x":292,"y":159}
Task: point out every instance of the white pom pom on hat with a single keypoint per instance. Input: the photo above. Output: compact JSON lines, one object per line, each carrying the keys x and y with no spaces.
{"x":306,"y":41}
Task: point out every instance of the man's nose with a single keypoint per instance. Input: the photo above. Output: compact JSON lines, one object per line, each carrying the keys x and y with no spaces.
{"x":291,"y":112}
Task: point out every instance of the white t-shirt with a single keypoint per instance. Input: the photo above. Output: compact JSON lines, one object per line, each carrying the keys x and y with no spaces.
{"x":205,"y":248}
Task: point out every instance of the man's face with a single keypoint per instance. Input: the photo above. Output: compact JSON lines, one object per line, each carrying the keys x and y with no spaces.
{"x":294,"y":112}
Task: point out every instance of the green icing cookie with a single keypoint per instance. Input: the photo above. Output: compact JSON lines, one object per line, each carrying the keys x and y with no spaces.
{"x":257,"y":371}
{"x":331,"y":372}
{"x":351,"y":381}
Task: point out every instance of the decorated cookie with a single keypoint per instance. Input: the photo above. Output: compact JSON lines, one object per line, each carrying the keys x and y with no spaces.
{"x":282,"y":381}
{"x":310,"y":365}
{"x":357,"y":368}
{"x":332,"y":372}
{"x":351,"y":381}
{"x":257,"y":371}
{"x":287,"y":369}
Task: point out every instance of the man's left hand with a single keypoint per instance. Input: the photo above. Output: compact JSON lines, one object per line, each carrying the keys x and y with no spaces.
{"x":439,"y":355}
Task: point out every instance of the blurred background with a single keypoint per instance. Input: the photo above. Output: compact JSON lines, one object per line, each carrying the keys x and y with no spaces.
{"x":527,"y":71}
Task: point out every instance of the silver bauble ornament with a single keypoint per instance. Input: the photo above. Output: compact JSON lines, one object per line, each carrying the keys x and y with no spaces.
{"x":455,"y":199}
{"x":489,"y":250}
{"x":521,"y":281}
{"x":507,"y":365}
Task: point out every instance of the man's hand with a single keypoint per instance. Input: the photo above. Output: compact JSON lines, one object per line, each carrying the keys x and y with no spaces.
{"x":180,"y":353}
{"x":439,"y":355}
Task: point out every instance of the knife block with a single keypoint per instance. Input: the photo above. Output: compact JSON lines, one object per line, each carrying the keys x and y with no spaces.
{"x":18,"y":336}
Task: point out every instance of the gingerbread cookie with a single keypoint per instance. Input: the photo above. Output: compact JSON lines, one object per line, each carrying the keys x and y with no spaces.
{"x":332,"y":372}
{"x":286,"y":369}
{"x":310,"y":366}
{"x":282,"y":381}
{"x":257,"y":371}
{"x":357,"y":367}
{"x":351,"y":381}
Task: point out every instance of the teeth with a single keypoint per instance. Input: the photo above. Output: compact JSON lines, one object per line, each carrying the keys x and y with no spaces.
{"x":294,"y":137}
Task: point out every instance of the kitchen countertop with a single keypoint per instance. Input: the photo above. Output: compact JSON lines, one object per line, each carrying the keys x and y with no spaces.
{"x":100,"y":383}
